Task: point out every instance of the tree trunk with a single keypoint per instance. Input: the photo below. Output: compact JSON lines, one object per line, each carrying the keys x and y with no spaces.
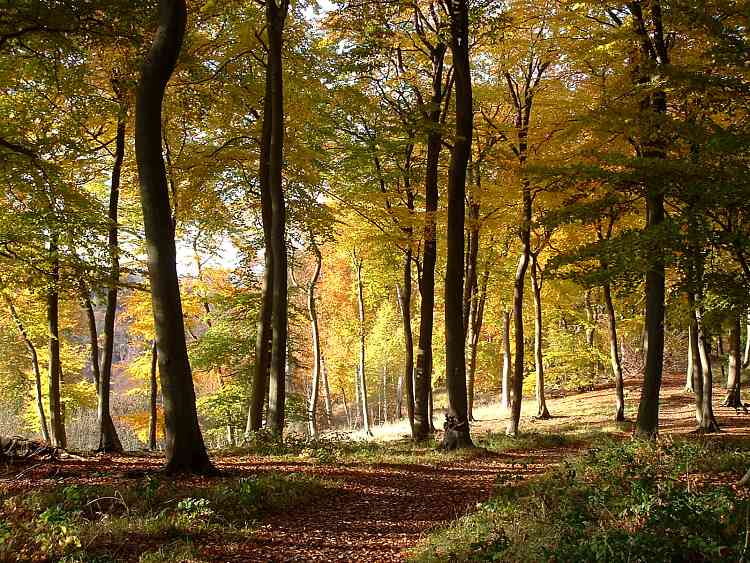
{"x":505,"y":397}
{"x":361,"y":371}
{"x":57,"y":422}
{"x":457,"y":433}
{"x":276,"y":13}
{"x":326,"y":394}
{"x":404,"y":300}
{"x":720,"y":356}
{"x":733,"y":397}
{"x":400,"y":397}
{"x":312,"y":310}
{"x":477,"y":317}
{"x":654,"y":51}
{"x":385,"y":393}
{"x":690,"y":365}
{"x":109,"y":441}
{"x":614,"y":354}
{"x":423,"y":374}
{"x":185,"y":450}
{"x":263,"y":327}
{"x":697,"y":373}
{"x":541,"y":403}
{"x":708,"y":421}
{"x":35,"y":368}
{"x":746,"y":355}
{"x":516,"y":388}
{"x":153,"y":413}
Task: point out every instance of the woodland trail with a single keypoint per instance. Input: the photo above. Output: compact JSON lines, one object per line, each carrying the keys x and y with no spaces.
{"x":376,"y":512}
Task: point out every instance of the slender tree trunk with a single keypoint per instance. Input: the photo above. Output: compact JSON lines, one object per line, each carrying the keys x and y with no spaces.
{"x":655,"y":54}
{"x":733,"y":397}
{"x":346,"y":408}
{"x":153,"y":413}
{"x":505,"y":397}
{"x":400,"y":397}
{"x":541,"y":402}
{"x":516,"y":388}
{"x":720,"y":356}
{"x":614,"y":354}
{"x":276,"y":13}
{"x":57,"y":422}
{"x":385,"y":393}
{"x":477,"y":317}
{"x":109,"y":441}
{"x":404,"y":300}
{"x":326,"y":394}
{"x":457,"y":433}
{"x":317,"y":361}
{"x":263,"y":328}
{"x":35,"y":369}
{"x":697,"y":373}
{"x":423,"y":373}
{"x":690,"y":364}
{"x":361,"y":371}
{"x":746,"y":355}
{"x":708,"y":421}
{"x":185,"y":450}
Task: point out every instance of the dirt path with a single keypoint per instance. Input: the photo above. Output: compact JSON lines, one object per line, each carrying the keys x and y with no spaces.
{"x":377,"y":512}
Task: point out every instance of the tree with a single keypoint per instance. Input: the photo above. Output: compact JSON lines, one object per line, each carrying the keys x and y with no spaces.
{"x":185,"y":450}
{"x":457,"y":434}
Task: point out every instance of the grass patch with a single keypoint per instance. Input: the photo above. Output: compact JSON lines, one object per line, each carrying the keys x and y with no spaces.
{"x":621,"y":501}
{"x":153,"y":519}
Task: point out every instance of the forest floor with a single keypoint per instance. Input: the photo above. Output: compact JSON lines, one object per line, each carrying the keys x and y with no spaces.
{"x":373,"y":502}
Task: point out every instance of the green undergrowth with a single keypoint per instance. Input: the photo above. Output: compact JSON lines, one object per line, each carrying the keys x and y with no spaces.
{"x":622,"y":501}
{"x":336,"y":450}
{"x":149,"y":520}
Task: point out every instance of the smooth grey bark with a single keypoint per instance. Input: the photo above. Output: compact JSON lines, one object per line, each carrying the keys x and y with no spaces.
{"x":276,"y":13}
{"x":153,"y":390}
{"x":614,"y":354}
{"x":184,"y":446}
{"x":57,"y":421}
{"x":400,"y":397}
{"x":35,"y":368}
{"x":746,"y":355}
{"x":505,"y":392}
{"x":697,"y":373}
{"x":362,"y":386}
{"x":536,"y":285}
{"x":654,"y":52}
{"x":457,"y":432}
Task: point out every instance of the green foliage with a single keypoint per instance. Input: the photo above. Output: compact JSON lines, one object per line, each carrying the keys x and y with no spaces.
{"x":621,"y":501}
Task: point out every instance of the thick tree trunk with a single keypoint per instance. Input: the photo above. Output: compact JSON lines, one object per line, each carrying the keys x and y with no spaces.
{"x":423,"y":374}
{"x":733,"y":397}
{"x":109,"y":441}
{"x":614,"y":354}
{"x":153,"y":413}
{"x":690,"y":365}
{"x":362,"y":387}
{"x":541,"y":402}
{"x":57,"y":422}
{"x":457,"y":422}
{"x":35,"y":369}
{"x":317,"y":361}
{"x":507,"y":364}
{"x":276,"y":13}
{"x":185,"y":450}
{"x":404,"y":300}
